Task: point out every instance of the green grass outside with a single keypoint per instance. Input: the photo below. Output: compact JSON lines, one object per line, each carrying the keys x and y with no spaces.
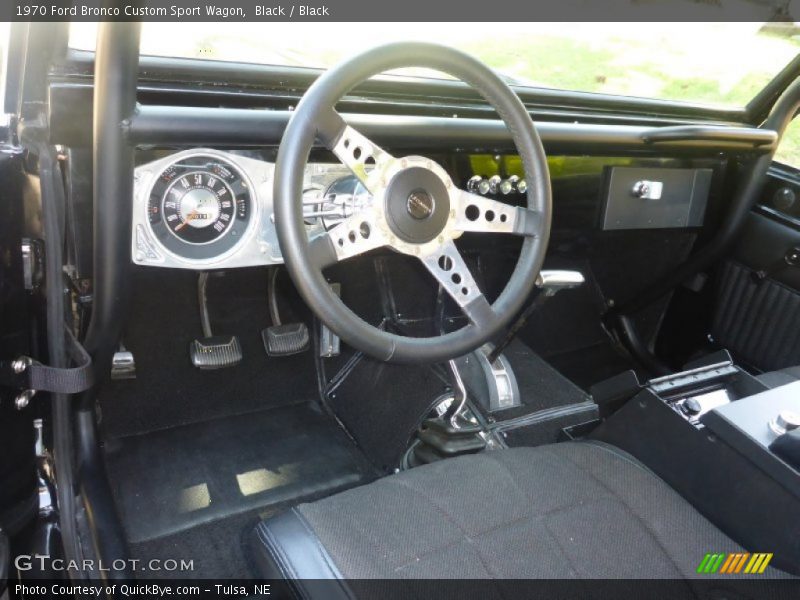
{"x":716,"y":63}
{"x":656,"y":69}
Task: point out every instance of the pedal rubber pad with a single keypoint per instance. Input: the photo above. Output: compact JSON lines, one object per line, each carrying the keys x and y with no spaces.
{"x":216,"y":352}
{"x":285,"y":340}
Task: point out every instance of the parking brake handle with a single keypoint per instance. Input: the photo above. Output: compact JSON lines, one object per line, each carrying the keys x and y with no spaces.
{"x":550,"y":283}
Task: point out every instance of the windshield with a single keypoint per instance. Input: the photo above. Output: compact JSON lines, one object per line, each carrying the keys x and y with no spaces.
{"x":717,"y":63}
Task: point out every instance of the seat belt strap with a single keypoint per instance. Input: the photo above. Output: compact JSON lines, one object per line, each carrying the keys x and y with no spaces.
{"x":25,"y":373}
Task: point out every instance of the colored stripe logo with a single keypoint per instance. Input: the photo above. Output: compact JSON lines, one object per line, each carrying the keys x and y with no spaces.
{"x":734,"y":563}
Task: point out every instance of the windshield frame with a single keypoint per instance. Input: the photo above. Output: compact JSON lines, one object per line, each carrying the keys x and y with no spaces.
{"x":68,"y":64}
{"x":258,"y":79}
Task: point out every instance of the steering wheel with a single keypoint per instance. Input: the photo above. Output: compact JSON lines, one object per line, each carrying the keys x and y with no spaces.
{"x":416,"y":209}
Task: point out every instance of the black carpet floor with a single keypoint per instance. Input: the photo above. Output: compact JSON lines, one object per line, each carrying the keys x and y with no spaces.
{"x":195,"y":458}
{"x":217,"y":550}
{"x":172,"y":480}
{"x":168,"y":391}
{"x":540,"y":385}
{"x":381,"y":405}
{"x":593,"y":364}
{"x":567,"y":330}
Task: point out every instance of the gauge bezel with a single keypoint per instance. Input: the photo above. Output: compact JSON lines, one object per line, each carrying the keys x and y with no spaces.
{"x":229,"y":241}
{"x":259,"y":246}
{"x":174,"y":183}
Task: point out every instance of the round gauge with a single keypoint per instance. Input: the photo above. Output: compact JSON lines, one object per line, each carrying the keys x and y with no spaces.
{"x":200,"y":207}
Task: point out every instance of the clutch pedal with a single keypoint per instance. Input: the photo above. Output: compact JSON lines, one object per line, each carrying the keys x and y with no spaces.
{"x":212,"y":351}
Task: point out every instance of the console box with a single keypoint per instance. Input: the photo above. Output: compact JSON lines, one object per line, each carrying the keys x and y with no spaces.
{"x":718,"y":465}
{"x":747,"y":426}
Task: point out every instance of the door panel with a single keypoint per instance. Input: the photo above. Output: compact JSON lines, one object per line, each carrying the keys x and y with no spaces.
{"x":757,"y":305}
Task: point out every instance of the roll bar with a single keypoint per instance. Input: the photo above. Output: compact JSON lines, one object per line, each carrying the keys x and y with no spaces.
{"x":116,"y":72}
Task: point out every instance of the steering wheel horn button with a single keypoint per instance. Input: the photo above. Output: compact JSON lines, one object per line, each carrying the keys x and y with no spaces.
{"x":420,"y":204}
{"x":416,"y":203}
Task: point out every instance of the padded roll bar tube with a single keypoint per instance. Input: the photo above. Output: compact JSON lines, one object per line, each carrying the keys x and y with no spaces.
{"x":116,"y":72}
{"x":116,"y":68}
{"x":746,"y":195}
{"x":167,"y":125}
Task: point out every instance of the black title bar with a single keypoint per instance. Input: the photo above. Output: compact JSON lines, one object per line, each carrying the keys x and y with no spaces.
{"x":392,"y":10}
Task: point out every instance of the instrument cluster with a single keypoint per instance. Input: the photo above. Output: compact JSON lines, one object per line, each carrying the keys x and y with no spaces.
{"x":206,"y":209}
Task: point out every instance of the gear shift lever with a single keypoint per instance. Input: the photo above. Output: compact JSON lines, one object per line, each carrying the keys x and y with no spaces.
{"x":459,"y":395}
{"x":446,"y":435}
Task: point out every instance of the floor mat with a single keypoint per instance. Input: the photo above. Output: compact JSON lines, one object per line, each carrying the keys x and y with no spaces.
{"x":168,"y":481}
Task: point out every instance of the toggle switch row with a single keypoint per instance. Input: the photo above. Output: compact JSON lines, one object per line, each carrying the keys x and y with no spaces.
{"x":496,"y":185}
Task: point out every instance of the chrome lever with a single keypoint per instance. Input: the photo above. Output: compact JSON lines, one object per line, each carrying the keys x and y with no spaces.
{"x":553,"y":281}
{"x":550,"y":282}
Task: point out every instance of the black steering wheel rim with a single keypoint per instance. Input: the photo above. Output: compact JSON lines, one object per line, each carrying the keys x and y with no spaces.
{"x":315,"y":119}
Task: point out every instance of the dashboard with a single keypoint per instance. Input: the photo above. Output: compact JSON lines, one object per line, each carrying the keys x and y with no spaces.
{"x":204,"y":209}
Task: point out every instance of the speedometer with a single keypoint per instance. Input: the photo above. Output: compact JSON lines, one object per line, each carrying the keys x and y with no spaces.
{"x":200,"y":207}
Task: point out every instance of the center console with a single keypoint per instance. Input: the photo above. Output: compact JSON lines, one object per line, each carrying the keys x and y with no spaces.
{"x":722,"y":440}
{"x":764,"y":428}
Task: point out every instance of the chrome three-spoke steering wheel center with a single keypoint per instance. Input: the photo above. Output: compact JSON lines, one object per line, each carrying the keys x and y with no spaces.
{"x":417,"y":210}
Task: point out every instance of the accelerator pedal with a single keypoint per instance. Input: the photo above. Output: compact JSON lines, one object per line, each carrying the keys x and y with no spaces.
{"x":285,"y":340}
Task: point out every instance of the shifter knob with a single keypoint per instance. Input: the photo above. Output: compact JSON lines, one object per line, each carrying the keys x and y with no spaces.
{"x":786,"y":421}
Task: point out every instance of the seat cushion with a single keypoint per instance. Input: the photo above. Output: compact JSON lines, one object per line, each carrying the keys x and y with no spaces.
{"x":571,"y":510}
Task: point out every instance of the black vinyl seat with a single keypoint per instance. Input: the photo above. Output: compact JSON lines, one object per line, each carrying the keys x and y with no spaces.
{"x":569,"y":510}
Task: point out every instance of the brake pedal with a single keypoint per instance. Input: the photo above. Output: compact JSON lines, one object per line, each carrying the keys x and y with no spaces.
{"x":285,"y":340}
{"x":216,"y":352}
{"x":212,"y":351}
